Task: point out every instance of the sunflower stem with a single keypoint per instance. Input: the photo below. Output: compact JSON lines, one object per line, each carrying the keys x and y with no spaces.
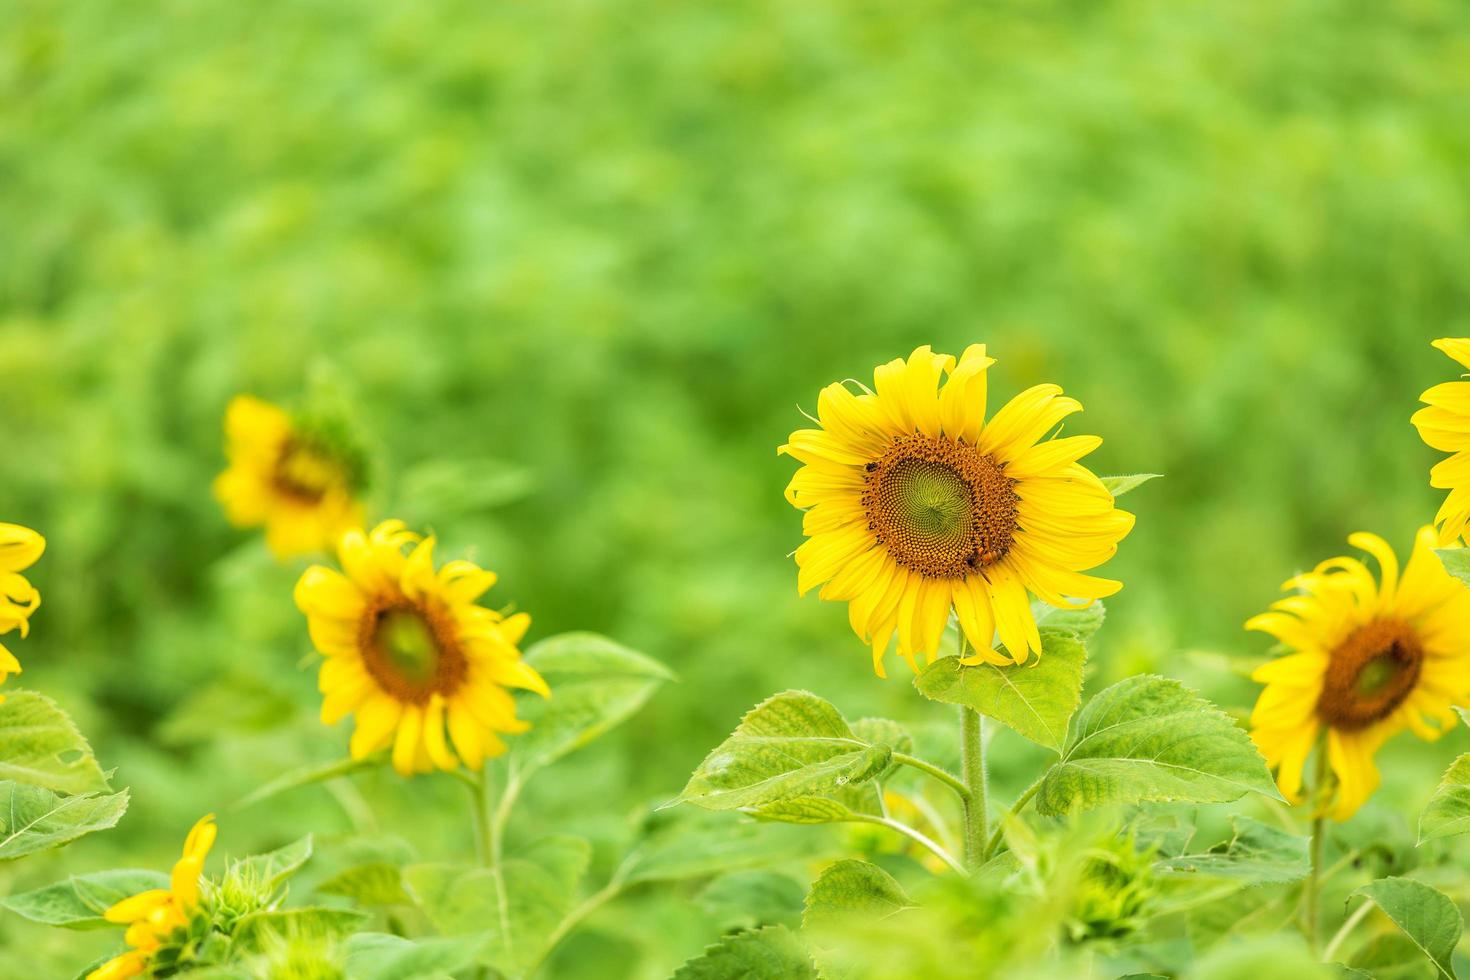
{"x":479,"y":790}
{"x":1311,"y":888}
{"x":917,"y":837}
{"x":1346,"y":930}
{"x":944,"y":776}
{"x":972,"y":765}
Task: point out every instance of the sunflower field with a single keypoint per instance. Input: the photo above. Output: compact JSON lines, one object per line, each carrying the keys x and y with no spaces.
{"x":602,"y":490}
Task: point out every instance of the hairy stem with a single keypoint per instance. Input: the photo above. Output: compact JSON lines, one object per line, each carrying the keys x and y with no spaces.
{"x":944,"y":776}
{"x":972,"y":764}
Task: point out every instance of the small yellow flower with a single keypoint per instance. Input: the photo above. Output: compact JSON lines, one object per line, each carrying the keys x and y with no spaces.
{"x":1369,"y":658}
{"x":154,"y":916}
{"x":1444,"y":423}
{"x":19,"y":549}
{"x":410,"y":654}
{"x":916,"y":505}
{"x":288,"y":477}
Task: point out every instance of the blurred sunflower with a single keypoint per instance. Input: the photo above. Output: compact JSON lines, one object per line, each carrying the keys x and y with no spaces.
{"x":916,"y":505}
{"x":1444,"y":423}
{"x":296,"y":477}
{"x":19,"y":549}
{"x":1369,"y":658}
{"x":155,"y":918}
{"x":410,"y":653}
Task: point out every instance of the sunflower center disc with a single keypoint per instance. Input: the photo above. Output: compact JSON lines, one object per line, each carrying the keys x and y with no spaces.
{"x":1370,"y":674}
{"x":941,"y":508}
{"x":407,"y":652}
{"x":304,"y":472}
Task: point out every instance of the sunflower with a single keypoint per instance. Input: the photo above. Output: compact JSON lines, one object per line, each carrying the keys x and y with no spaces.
{"x":155,"y":917}
{"x":19,"y":549}
{"x":1369,"y":658}
{"x":296,"y":477}
{"x":916,"y":505}
{"x":1444,"y":423}
{"x":410,"y":653}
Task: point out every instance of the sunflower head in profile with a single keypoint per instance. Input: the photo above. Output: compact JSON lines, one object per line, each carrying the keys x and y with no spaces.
{"x":297,"y":477}
{"x":1444,"y":423}
{"x":1366,"y":658}
{"x":410,"y":654}
{"x":158,"y":919}
{"x":19,"y":549}
{"x":915,"y":504}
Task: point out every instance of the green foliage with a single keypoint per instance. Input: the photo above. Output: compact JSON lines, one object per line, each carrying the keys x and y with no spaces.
{"x":793,"y":746}
{"x":374,"y":883}
{"x":308,"y":775}
{"x":1426,"y":916}
{"x":681,"y":844}
{"x":597,"y":684}
{"x":1257,"y":853}
{"x":853,"y":889}
{"x":1119,"y":485}
{"x":1448,"y":811}
{"x":253,"y":932}
{"x":35,"y":819}
{"x":40,"y":746}
{"x":514,"y":908}
{"x":751,"y":899}
{"x":274,"y":867}
{"x":1456,"y":562}
{"x":79,"y":901}
{"x":1150,"y":738}
{"x":376,"y":956}
{"x":772,"y":953}
{"x":1036,"y":700}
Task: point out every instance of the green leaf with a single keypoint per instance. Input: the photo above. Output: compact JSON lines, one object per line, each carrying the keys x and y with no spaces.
{"x":808,"y":810}
{"x":1258,"y":853}
{"x":1391,"y":956}
{"x":1035,"y":700}
{"x":1151,"y":738}
{"x":1448,"y":811}
{"x":884,"y":732}
{"x":1456,"y":561}
{"x":1270,"y":956}
{"x":255,"y":931}
{"x":515,"y":908}
{"x":751,"y":899}
{"x":685,"y":844}
{"x":276,"y":866}
{"x":41,"y":746}
{"x":79,"y":901}
{"x":1085,"y":622}
{"x":1428,"y":917}
{"x":790,"y":746}
{"x":374,"y":883}
{"x":1119,"y":485}
{"x":35,"y":819}
{"x":307,"y":775}
{"x":772,"y":953}
{"x":853,"y":889}
{"x":379,"y":956}
{"x":595,"y":683}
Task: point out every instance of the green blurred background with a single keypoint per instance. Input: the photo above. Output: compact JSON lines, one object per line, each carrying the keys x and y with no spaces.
{"x":575,"y":266}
